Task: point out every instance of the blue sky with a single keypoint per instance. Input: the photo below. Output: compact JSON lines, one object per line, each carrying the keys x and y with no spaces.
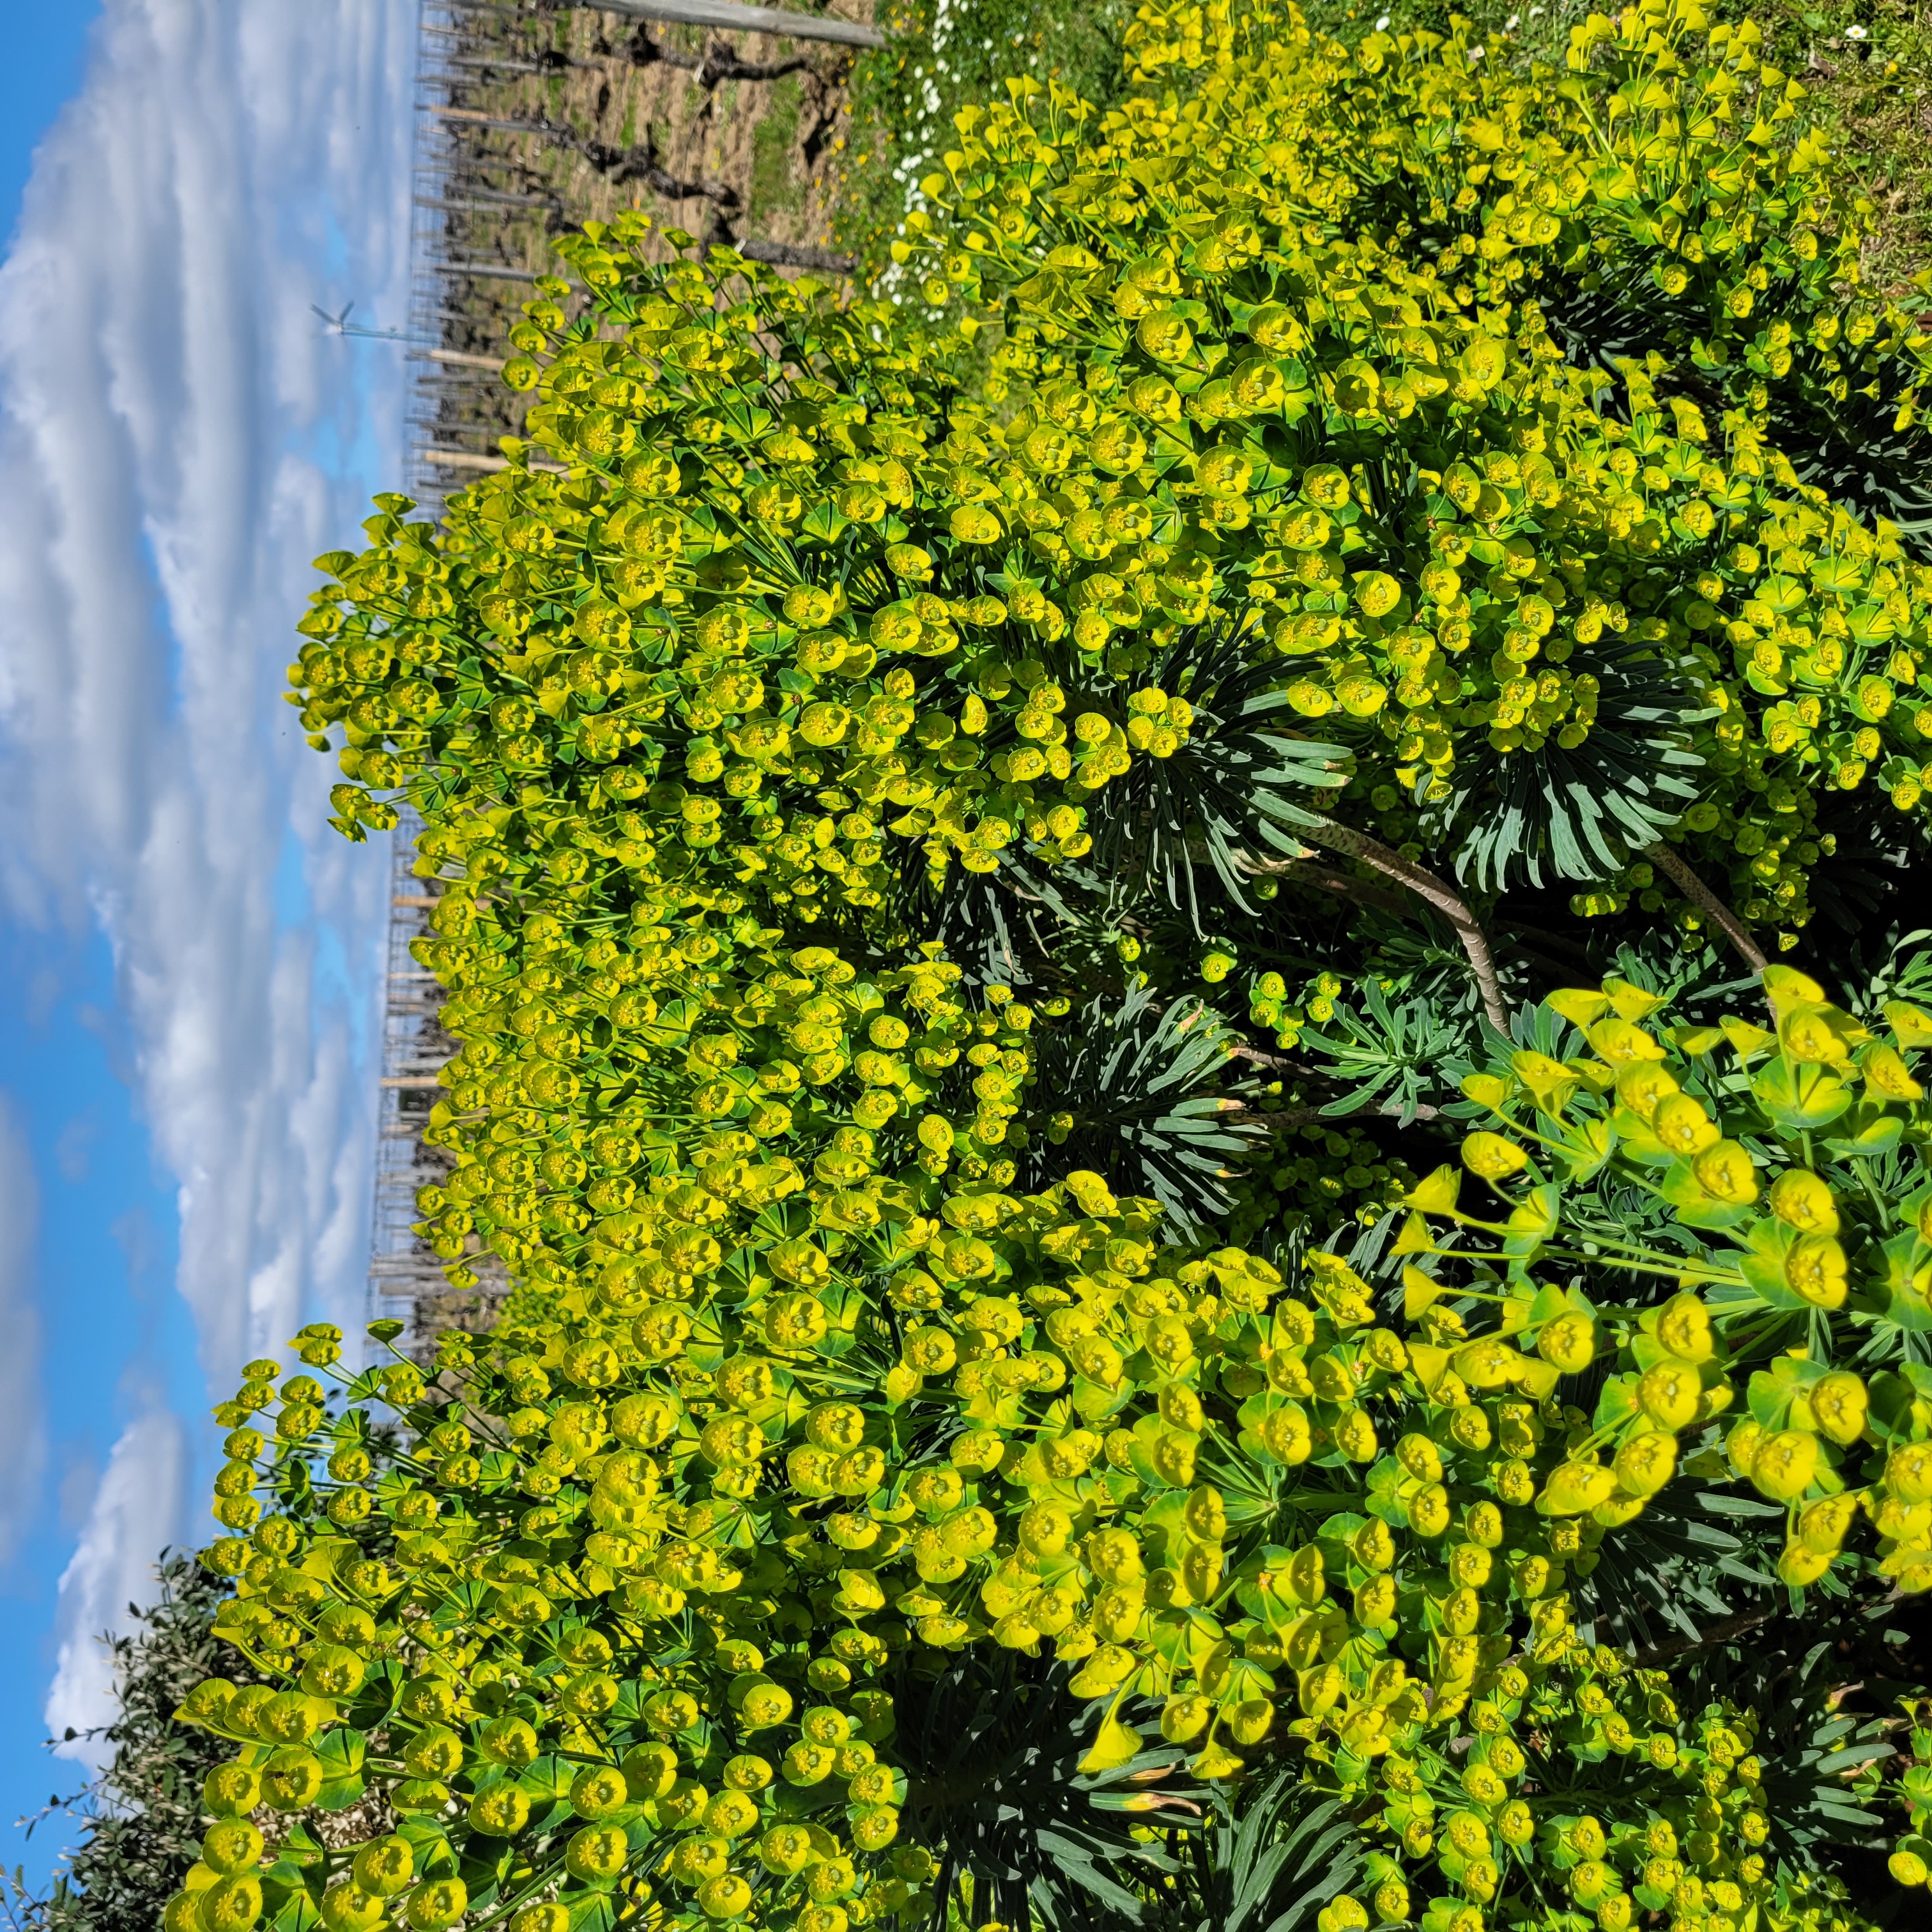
{"x":187,"y":957}
{"x":45,"y":48}
{"x":67,"y":1107}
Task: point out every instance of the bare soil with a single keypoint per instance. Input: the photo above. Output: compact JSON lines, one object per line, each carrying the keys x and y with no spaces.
{"x":729,"y":137}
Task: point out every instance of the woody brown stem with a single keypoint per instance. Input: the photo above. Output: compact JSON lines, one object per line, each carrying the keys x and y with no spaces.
{"x":1707,"y":902}
{"x":1432,"y":891}
{"x":1718,"y":1633}
{"x":1302,"y":1116}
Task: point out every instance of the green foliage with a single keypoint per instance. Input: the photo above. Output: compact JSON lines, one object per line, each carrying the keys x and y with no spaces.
{"x":1150,"y":1459}
{"x":944,"y":57}
{"x":978,"y":858}
{"x":140,"y":1820}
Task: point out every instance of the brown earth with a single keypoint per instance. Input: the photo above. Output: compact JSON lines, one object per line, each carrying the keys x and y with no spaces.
{"x":728,"y":136}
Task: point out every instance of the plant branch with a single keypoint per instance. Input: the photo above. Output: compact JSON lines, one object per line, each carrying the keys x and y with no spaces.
{"x":1707,"y":901}
{"x":1427,"y":886}
{"x":1261,"y":1058}
{"x":616,"y":165}
{"x":1300,"y":1117}
{"x":782,"y":255}
{"x":1309,"y":872}
{"x":717,"y":62}
{"x":1326,"y":879}
{"x":1718,"y":1633}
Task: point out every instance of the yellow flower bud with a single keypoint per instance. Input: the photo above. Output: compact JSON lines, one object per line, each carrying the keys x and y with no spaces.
{"x":1801,"y":1200}
{"x":1355,"y":1435}
{"x":1206,"y":1515}
{"x":1113,"y":1555}
{"x":1320,"y":1688}
{"x":1783,"y":1464}
{"x":230,"y":1904}
{"x":1908,"y":1473}
{"x":1799,"y":1565}
{"x":1839,"y":1402}
{"x":1181,"y":1407}
{"x":384,"y":1866}
{"x":1815,"y":1269}
{"x":1646,"y":1462}
{"x":501,"y":1812}
{"x":1549,"y":1080}
{"x":1185,"y":1718}
{"x":1045,"y":1528}
{"x":348,"y":1908}
{"x":731,"y":1814}
{"x":1822,"y":1526}
{"x":1575,"y":1487}
{"x":1809,"y":1038}
{"x":651,"y":1770}
{"x":1683,"y":1327}
{"x":1887,"y":1074}
{"x":1668,"y":1394}
{"x":1622,"y":1043}
{"x":1420,"y":1457}
{"x":785,"y":1849}
{"x":231,"y":1791}
{"x":1492,"y":1157}
{"x":291,"y":1781}
{"x":440,"y":1902}
{"x":1375,"y":1602}
{"x":1166,"y":1339}
{"x":1286,"y":1434}
{"x":597,"y":1791}
{"x":1682,"y":1125}
{"x":435,"y":1752}
{"x":1487,"y":1364}
{"x":1569,"y":1342}
{"x":1514,"y":1483}
{"x":1908,"y":1868}
{"x":232,"y":1846}
{"x":1428,"y":1510}
{"x":1643,"y":1085}
{"x":727,"y":1896}
{"x":1250,"y":1720}
{"x":1724,"y":1171}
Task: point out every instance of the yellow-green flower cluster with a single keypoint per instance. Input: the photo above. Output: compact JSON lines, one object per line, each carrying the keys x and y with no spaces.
{"x":686,"y":1516}
{"x":823,"y":1375}
{"x":1733,"y":1124}
{"x":1389,"y":255}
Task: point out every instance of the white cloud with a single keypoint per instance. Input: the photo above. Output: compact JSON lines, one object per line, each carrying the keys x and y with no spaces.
{"x":23,"y":1448}
{"x":112,"y":1566}
{"x":173,"y":426}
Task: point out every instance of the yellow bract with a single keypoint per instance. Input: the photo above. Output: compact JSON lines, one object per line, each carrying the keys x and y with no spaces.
{"x":817,"y":1364}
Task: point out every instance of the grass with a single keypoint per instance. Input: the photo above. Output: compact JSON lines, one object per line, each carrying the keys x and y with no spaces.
{"x":1868,"y":63}
{"x":773,"y":185}
{"x":947,"y":55}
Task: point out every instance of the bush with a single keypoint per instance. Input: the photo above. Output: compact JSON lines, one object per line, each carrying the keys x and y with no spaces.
{"x":856,"y":773}
{"x":140,"y":1819}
